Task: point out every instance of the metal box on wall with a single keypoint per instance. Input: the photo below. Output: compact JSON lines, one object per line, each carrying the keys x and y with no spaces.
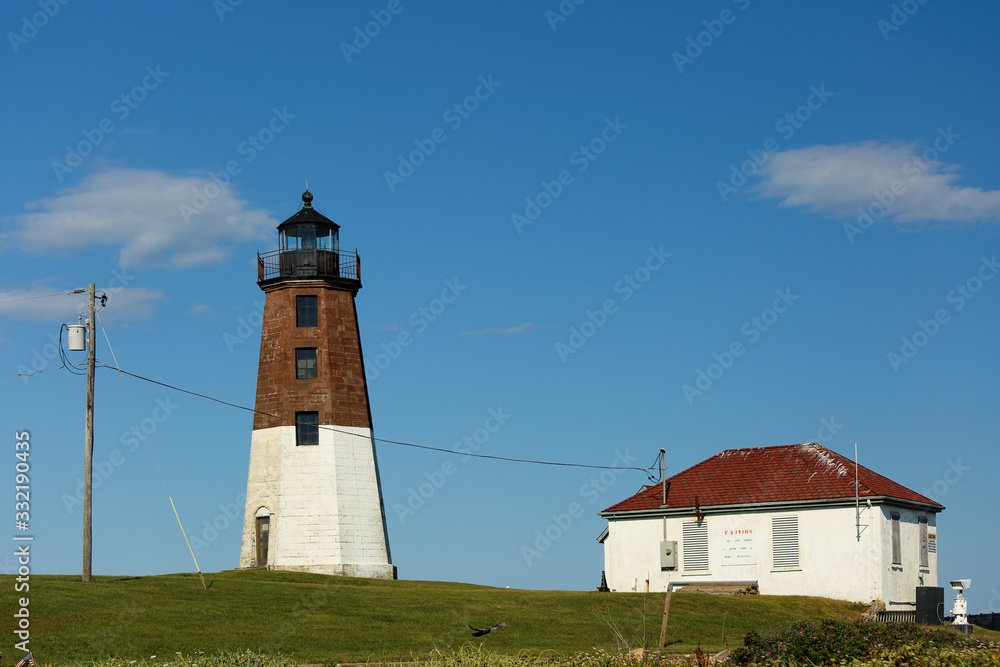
{"x":668,"y":554}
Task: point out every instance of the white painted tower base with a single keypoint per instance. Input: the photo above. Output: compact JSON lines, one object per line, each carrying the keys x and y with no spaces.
{"x":323,"y":504}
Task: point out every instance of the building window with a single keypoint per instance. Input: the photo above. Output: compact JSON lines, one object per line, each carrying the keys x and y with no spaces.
{"x":305,"y":363}
{"x":695,"y":545}
{"x":784,"y":541}
{"x":922,"y":523}
{"x":897,"y":558}
{"x":306,"y":428}
{"x":305,"y":311}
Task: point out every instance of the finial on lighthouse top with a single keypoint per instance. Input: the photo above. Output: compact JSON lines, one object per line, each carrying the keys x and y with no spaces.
{"x":307,"y":198}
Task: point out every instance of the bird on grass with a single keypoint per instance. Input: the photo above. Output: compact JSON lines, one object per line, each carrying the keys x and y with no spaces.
{"x":479,"y":632}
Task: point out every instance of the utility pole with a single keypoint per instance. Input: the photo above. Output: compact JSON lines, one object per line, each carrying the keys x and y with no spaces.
{"x":88,"y":438}
{"x":663,"y":476}
{"x":666,"y":601}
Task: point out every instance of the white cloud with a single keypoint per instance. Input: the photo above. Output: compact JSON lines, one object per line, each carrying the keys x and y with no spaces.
{"x":139,"y":212}
{"x":526,"y":327}
{"x":203,"y":310}
{"x":130,"y":303}
{"x":35,"y":303}
{"x":838,"y":180}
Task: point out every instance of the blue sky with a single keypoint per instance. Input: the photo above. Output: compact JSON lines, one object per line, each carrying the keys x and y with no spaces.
{"x":619,"y":196}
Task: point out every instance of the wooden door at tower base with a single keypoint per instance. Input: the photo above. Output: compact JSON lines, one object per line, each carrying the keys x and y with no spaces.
{"x":263,"y":529}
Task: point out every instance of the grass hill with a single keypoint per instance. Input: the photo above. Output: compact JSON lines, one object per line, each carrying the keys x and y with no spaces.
{"x":337,"y":619}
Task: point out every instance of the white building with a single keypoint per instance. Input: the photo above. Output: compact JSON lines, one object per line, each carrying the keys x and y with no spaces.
{"x":784,"y":518}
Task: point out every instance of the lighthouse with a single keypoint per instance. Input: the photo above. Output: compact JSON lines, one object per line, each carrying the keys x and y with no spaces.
{"x":314,"y":499}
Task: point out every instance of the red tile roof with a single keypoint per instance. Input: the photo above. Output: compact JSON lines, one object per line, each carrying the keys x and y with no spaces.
{"x":769,"y":474}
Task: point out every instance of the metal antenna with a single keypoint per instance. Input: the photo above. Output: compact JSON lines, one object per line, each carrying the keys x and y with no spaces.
{"x":663,"y":473}
{"x":857,"y":503}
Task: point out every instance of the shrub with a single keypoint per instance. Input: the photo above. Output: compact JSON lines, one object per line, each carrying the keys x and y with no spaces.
{"x":223,"y":659}
{"x":834,"y":642}
{"x":935,"y":657}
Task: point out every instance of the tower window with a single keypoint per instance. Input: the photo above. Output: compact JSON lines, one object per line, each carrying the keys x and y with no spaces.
{"x":306,"y":428}
{"x":305,"y":311}
{"x":305,"y":363}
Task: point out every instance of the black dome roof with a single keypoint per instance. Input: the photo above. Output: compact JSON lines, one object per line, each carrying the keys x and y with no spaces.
{"x":307,"y":215}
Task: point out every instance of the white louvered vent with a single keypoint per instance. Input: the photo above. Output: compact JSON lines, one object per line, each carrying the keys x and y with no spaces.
{"x":785,"y":541}
{"x":695,"y":535}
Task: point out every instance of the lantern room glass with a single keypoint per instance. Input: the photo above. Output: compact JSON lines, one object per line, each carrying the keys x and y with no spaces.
{"x":309,"y":237}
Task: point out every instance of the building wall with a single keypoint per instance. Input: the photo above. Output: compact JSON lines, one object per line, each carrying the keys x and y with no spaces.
{"x":832,"y":561}
{"x":898,"y":579}
{"x":324,"y":503}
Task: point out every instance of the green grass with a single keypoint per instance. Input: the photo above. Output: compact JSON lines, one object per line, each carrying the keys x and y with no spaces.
{"x":321,"y":619}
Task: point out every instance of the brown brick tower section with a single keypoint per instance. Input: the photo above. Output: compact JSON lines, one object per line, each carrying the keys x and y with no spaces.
{"x":339,"y":393}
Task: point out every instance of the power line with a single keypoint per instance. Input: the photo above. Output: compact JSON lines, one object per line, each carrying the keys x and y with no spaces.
{"x":44,"y":296}
{"x":30,"y":373}
{"x":391,"y":442}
